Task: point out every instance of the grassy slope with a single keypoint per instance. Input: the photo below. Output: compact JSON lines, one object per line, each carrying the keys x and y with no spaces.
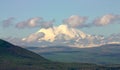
{"x":16,"y":58}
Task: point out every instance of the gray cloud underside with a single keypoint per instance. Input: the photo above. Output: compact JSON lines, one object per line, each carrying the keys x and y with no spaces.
{"x":8,"y":22}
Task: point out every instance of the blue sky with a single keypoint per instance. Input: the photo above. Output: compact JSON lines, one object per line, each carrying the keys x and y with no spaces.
{"x":59,"y":10}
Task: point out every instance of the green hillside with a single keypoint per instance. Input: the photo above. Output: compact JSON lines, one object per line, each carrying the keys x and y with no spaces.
{"x":16,"y":58}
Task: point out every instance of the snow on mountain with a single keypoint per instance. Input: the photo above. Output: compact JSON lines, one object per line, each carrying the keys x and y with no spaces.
{"x":63,"y":35}
{"x":68,"y":36}
{"x":55,"y":33}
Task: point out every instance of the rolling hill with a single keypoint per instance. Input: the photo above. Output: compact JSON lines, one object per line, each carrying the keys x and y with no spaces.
{"x":16,"y":58}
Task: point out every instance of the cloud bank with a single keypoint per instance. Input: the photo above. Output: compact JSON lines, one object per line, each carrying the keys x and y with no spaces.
{"x":74,"y":21}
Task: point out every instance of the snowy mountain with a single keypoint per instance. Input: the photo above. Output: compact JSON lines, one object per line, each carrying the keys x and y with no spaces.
{"x":56,"y":33}
{"x":63,"y":35}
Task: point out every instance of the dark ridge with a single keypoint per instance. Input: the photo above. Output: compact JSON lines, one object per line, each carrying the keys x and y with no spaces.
{"x":8,"y":48}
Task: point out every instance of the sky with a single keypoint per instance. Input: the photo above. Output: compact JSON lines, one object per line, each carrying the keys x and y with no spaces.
{"x":99,"y":17}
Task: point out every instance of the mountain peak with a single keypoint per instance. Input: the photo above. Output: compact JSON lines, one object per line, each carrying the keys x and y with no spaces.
{"x":68,"y":36}
{"x":63,"y":35}
{"x":51,"y":34}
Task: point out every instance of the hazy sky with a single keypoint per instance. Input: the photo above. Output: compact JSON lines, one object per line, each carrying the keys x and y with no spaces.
{"x":14,"y":11}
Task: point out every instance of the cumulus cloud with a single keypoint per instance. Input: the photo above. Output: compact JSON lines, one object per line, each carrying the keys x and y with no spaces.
{"x":35,"y":22}
{"x":8,"y":22}
{"x":75,"y":21}
{"x":106,"y":19}
{"x":30,"y":23}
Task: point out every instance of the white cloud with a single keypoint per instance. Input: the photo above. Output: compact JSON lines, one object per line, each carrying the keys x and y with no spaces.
{"x":106,"y":19}
{"x":75,"y":21}
{"x":33,"y":22}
